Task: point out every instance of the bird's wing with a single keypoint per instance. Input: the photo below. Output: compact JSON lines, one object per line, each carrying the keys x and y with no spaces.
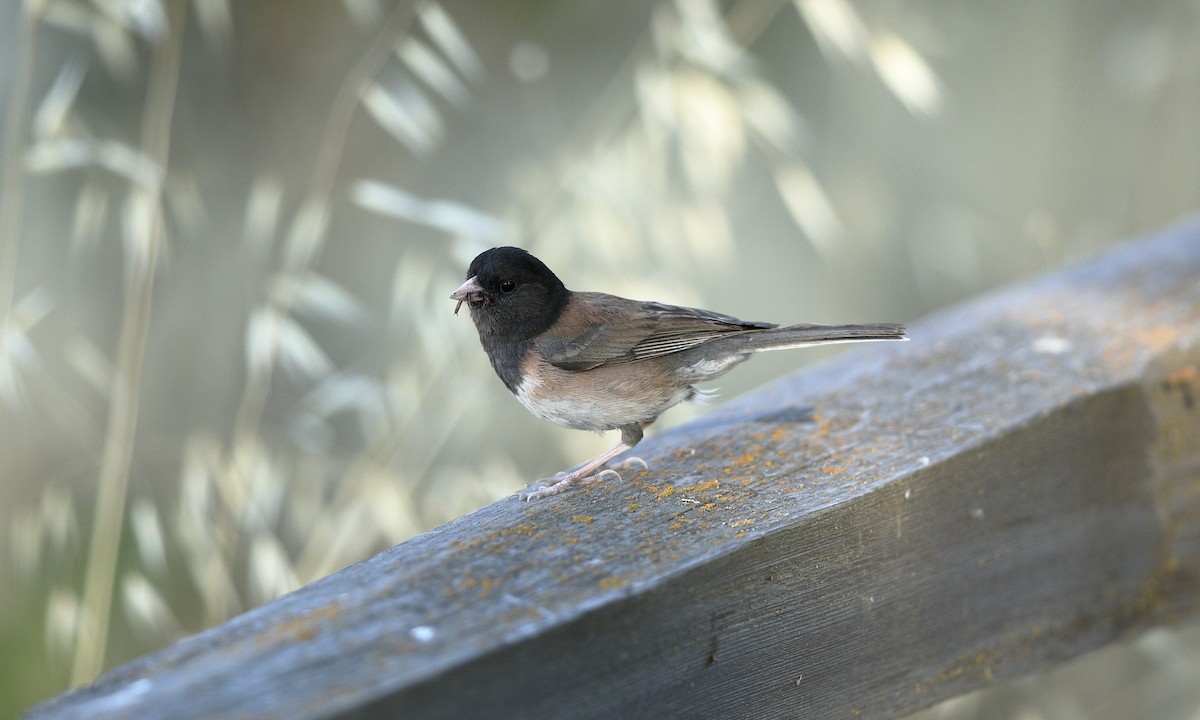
{"x":598,"y":329}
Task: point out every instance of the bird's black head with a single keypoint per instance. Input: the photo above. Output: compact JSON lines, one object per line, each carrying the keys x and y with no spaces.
{"x":512,"y":295}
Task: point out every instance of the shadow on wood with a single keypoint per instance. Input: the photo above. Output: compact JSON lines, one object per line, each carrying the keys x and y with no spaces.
{"x":1017,"y":485}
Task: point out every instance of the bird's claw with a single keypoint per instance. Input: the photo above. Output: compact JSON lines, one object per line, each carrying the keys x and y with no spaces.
{"x":635,"y":461}
{"x":543,"y":490}
{"x":554,"y":488}
{"x":564,"y":481}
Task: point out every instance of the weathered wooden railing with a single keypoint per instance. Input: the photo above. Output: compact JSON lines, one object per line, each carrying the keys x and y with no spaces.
{"x":1017,"y":485}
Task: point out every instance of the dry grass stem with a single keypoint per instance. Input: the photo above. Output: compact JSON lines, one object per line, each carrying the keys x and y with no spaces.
{"x":12,"y":184}
{"x":310,"y":223}
{"x":147,"y":228}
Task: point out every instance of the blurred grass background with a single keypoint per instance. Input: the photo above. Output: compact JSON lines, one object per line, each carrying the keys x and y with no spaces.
{"x":228,"y":365}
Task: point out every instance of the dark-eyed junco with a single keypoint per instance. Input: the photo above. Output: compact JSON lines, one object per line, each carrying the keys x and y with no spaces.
{"x":592,"y":361}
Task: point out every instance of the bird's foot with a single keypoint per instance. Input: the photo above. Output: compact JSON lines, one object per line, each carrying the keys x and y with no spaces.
{"x":556,"y":485}
{"x":565,"y":481}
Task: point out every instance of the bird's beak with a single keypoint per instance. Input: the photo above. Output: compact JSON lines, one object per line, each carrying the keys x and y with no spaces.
{"x":466,"y":292}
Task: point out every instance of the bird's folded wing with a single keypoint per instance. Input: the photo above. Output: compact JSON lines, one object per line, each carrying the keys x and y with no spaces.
{"x":598,"y":329}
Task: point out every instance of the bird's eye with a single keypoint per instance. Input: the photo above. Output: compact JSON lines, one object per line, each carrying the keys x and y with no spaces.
{"x":507,"y":286}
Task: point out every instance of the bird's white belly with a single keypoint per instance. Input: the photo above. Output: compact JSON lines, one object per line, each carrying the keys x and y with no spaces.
{"x":604,"y":407}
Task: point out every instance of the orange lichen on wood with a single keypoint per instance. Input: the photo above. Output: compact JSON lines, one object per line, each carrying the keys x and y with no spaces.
{"x":612,"y":583}
{"x":305,"y":627}
{"x":1185,"y":375}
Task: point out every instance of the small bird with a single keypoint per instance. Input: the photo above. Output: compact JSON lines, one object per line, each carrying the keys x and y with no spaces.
{"x":592,"y":361}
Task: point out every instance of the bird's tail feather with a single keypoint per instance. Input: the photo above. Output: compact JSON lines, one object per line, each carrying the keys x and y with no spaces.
{"x":805,"y":335}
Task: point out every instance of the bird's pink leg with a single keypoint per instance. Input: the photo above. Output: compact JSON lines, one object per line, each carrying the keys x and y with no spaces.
{"x":585,"y":475}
